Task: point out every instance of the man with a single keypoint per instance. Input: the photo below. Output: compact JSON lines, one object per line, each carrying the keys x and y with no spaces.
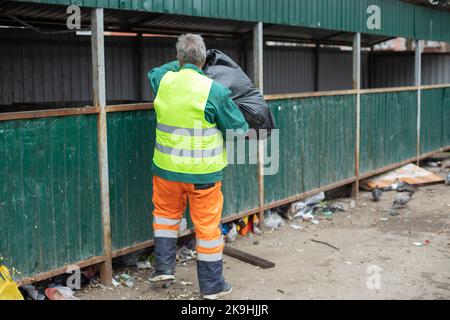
{"x":193,"y":113}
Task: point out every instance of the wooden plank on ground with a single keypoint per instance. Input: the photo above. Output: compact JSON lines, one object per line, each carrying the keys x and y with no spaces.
{"x":246,"y":257}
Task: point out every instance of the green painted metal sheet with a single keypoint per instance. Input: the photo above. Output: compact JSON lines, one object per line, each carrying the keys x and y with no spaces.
{"x":49,"y":205}
{"x":317,"y":144}
{"x":388,"y":129}
{"x":431,"y":120}
{"x":446,"y":119}
{"x":398,"y":18}
{"x":131,"y":140}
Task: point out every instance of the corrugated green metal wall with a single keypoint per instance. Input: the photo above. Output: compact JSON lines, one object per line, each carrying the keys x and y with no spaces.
{"x":317,"y":144}
{"x":446,"y":118}
{"x":131,"y":138}
{"x":388,"y":129}
{"x":431,"y":128}
{"x":49,"y":204}
{"x":398,"y":18}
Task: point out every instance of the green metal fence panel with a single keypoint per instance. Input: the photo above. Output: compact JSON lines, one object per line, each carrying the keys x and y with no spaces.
{"x":388,"y":129}
{"x":446,"y":119}
{"x":49,"y":203}
{"x":431,"y":120}
{"x":131,"y":137}
{"x":398,"y":18}
{"x":240,"y":185}
{"x":316,"y":144}
{"x":131,"y":140}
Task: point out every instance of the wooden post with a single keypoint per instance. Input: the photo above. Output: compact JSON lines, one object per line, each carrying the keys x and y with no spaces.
{"x":418,"y":84}
{"x":258,"y":69}
{"x":99,"y":90}
{"x":141,"y":83}
{"x":316,"y":66}
{"x":357,"y":87}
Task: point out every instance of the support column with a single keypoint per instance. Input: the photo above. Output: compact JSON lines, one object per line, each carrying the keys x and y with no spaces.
{"x":418,"y":83}
{"x":99,"y":90}
{"x":357,"y":87}
{"x":316,"y":66}
{"x":258,"y":69}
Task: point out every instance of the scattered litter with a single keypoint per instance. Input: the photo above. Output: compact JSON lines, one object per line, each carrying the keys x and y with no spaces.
{"x":325,"y":243}
{"x":255,"y":225}
{"x":315,"y":199}
{"x":184,"y":254}
{"x":115,"y":283}
{"x":296,"y":227}
{"x":232,"y":233}
{"x":421,"y":244}
{"x":144,"y":264}
{"x":126,"y":280}
{"x":60,"y":293}
{"x":33,"y":293}
{"x":243,"y":226}
{"x":272,"y":220}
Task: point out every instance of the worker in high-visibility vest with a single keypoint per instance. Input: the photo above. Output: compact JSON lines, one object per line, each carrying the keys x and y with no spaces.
{"x":193,"y":114}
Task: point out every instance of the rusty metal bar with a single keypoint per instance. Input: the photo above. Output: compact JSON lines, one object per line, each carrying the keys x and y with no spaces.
{"x":99,"y":89}
{"x":418,"y":83}
{"x":47,"y":113}
{"x":258,"y":48}
{"x":357,"y":87}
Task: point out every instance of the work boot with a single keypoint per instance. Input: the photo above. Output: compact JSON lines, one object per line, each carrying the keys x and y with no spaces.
{"x":160,"y":276}
{"x":227,"y":289}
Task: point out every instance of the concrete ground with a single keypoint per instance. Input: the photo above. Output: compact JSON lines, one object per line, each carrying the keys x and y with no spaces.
{"x":373,"y":246}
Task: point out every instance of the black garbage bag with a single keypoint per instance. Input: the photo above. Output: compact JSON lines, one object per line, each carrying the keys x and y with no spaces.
{"x":247,"y":97}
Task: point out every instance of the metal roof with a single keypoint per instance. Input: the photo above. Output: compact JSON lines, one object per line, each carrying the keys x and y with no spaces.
{"x":399,"y":18}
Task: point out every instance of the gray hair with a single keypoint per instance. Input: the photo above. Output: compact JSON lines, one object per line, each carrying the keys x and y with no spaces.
{"x":191,"y":49}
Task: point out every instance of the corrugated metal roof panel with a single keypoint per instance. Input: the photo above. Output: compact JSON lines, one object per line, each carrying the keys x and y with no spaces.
{"x":398,"y":18}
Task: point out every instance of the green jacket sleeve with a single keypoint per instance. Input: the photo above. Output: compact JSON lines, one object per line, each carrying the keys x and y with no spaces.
{"x":223,"y":111}
{"x":156,"y":74}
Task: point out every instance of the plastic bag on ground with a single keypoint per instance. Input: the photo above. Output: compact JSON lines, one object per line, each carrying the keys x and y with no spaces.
{"x":232,"y":233}
{"x":273,"y":220}
{"x":247,"y":97}
{"x":60,"y":293}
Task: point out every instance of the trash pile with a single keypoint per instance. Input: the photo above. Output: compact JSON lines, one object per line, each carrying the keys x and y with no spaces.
{"x":241,"y":227}
{"x":312,"y":209}
{"x":61,"y":287}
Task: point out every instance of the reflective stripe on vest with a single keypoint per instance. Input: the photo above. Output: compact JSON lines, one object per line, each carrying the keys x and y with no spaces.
{"x":185,"y":141}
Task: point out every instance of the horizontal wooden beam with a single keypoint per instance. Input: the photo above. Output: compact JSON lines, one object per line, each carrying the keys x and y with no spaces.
{"x":48,"y":113}
{"x":59,"y":271}
{"x":129,"y":107}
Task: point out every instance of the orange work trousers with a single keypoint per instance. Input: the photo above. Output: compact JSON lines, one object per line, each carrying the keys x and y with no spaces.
{"x":170,"y":199}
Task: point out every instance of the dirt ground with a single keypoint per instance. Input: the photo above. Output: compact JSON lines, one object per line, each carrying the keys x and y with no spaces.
{"x":368,"y":238}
